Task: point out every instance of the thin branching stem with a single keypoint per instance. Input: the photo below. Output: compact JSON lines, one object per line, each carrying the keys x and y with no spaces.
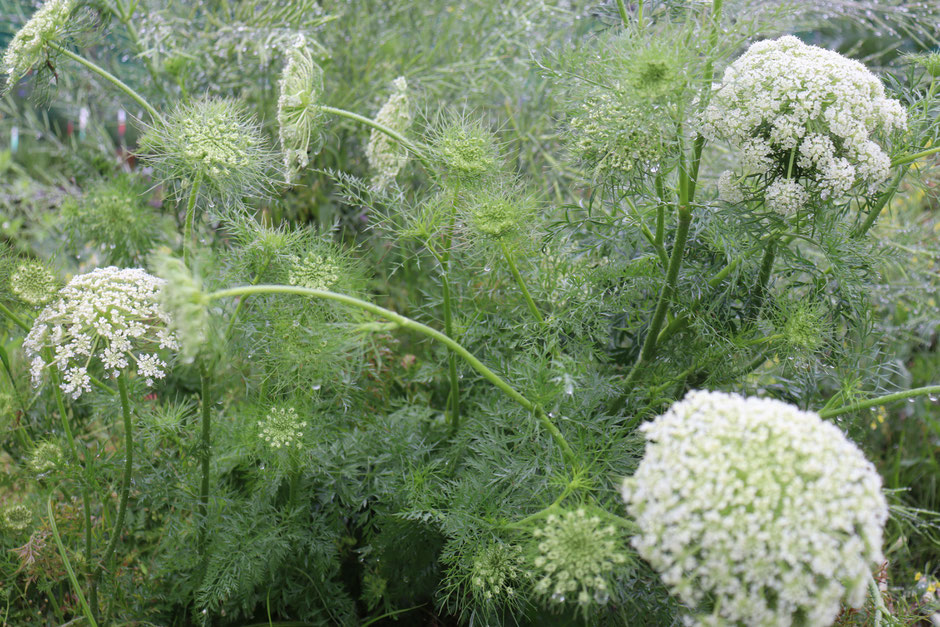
{"x":914,"y":157}
{"x":521,"y":283}
{"x":875,"y":210}
{"x":205,"y":454}
{"x":392,"y":133}
{"x":425,"y":330}
{"x":100,"y":71}
{"x":887,"y":399}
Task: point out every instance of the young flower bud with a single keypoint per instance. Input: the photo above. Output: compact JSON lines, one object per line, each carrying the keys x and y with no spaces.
{"x":298,"y":115}
{"x":498,"y":213}
{"x":316,"y":271}
{"x":282,"y":428}
{"x":28,"y":47}
{"x":46,"y":457}
{"x":33,"y":283}
{"x":385,"y":156}
{"x":466,"y":151}
{"x":17,"y":517}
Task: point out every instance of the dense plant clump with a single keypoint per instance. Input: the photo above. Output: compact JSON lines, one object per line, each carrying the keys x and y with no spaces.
{"x":468,"y":313}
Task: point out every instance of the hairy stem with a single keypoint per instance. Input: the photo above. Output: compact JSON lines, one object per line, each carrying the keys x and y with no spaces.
{"x":100,"y":71}
{"x":622,"y":9}
{"x":914,"y":157}
{"x":190,"y":220}
{"x":423,"y":329}
{"x":875,"y":210}
{"x":763,"y":277}
{"x":86,"y":610}
{"x":522,"y":286}
{"x":880,"y":400}
{"x":449,"y":318}
{"x":206,"y":455}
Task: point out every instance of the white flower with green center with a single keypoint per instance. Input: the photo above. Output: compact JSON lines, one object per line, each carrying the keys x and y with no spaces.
{"x":299,"y":117}
{"x":804,"y":113}
{"x":33,"y":283}
{"x":386,"y":157}
{"x":212,"y":143}
{"x":282,"y":428}
{"x":28,"y":47}
{"x":316,"y":271}
{"x":755,"y":512}
{"x":17,"y":517}
{"x":110,"y":315}
{"x":576,"y":554}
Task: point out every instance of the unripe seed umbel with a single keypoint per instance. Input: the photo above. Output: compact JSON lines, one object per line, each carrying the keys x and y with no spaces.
{"x":385,"y":156}
{"x":28,"y":47}
{"x":33,"y":283}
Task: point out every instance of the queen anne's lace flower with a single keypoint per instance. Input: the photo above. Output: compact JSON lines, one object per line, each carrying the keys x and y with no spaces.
{"x":47,"y":456}
{"x":110,"y":314}
{"x":33,"y":283}
{"x":804,"y":113}
{"x":298,"y":115}
{"x":785,"y":196}
{"x":27,"y":48}
{"x":385,"y":156}
{"x":315,"y":271}
{"x":17,"y":517}
{"x":576,"y":554}
{"x":282,"y":428}
{"x":763,"y":509}
{"x":495,"y":571}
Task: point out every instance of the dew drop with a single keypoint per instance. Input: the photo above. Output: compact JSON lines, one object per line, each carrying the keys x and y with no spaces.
{"x":558,"y":597}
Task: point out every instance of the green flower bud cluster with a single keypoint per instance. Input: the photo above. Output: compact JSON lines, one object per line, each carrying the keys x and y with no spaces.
{"x":803,"y":327}
{"x":499,"y":213}
{"x":929,"y":61}
{"x":46,"y":457}
{"x":496,"y":571}
{"x":33,"y":283}
{"x":467,"y":152}
{"x":29,"y":44}
{"x":17,"y":517}
{"x":576,"y":555}
{"x":298,"y":114}
{"x":282,"y":428}
{"x":213,"y":143}
{"x":315,"y":271}
{"x":385,"y":156}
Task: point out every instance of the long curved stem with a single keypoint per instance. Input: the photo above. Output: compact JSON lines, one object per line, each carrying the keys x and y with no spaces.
{"x":914,"y":157}
{"x":392,"y":133}
{"x":190,"y":220}
{"x":89,"y":614}
{"x":206,"y":454}
{"x":880,"y":400}
{"x":449,"y":316}
{"x":423,"y":329}
{"x":522,"y":286}
{"x":125,"y":480}
{"x":100,"y":71}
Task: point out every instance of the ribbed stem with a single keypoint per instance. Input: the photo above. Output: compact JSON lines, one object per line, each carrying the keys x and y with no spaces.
{"x":522,"y":286}
{"x":880,"y":400}
{"x":423,"y":329}
{"x":206,"y":457}
{"x":190,"y":221}
{"x":449,"y":316}
{"x":100,"y":71}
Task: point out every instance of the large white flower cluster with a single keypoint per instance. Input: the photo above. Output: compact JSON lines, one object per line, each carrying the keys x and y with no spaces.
{"x":803,"y":113}
{"x":110,"y":314}
{"x":762,"y":509}
{"x":28,"y":46}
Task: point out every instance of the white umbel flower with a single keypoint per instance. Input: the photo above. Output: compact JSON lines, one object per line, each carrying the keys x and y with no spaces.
{"x":28,"y":45}
{"x":800,"y":111}
{"x":785,"y":196}
{"x":763,"y":509}
{"x":298,"y":115}
{"x":111,"y":315}
{"x":386,"y":157}
{"x":282,"y":428}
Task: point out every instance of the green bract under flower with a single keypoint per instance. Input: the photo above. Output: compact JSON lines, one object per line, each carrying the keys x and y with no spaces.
{"x":499,"y":214}
{"x":298,"y":115}
{"x":33,"y":283}
{"x":111,"y":315}
{"x":28,"y":46}
{"x":212,"y":143}
{"x":576,"y":555}
{"x":385,"y":155}
{"x":282,"y":428}
{"x":756,"y":513}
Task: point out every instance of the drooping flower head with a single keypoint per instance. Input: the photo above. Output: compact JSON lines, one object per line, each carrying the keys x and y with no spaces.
{"x":33,"y":283}
{"x":756,"y":512}
{"x":576,"y":554}
{"x":386,"y":157}
{"x":28,"y":47}
{"x":805,"y":114}
{"x":282,"y":428}
{"x":212,"y":143}
{"x":111,"y":315}
{"x":299,"y":118}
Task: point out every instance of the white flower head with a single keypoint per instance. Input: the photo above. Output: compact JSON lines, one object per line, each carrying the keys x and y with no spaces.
{"x":111,"y":315}
{"x":764,"y":509}
{"x":282,"y":428}
{"x":28,"y":46}
{"x":386,"y":157}
{"x":785,"y":196}
{"x":802,"y":112}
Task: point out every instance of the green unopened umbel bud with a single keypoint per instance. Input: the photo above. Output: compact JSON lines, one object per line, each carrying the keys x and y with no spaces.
{"x":29,"y":44}
{"x":17,"y":517}
{"x":33,"y":283}
{"x":298,"y":114}
{"x":46,"y":457}
{"x":467,"y":152}
{"x":499,"y":213}
{"x":212,"y":143}
{"x":496,"y":571}
{"x":385,"y":156}
{"x":929,"y":61}
{"x":316,"y":271}
{"x":282,"y":428}
{"x":186,"y":302}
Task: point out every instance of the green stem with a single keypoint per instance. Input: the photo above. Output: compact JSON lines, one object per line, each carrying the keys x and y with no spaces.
{"x":914,"y":157}
{"x":110,"y":77}
{"x":14,"y":318}
{"x":206,"y":455}
{"x":68,"y":566}
{"x":763,"y":277}
{"x":423,"y":329}
{"x":622,"y":9}
{"x":880,"y":400}
{"x":877,"y":601}
{"x":190,"y":220}
{"x":708,"y":74}
{"x":392,"y":133}
{"x":522,"y":286}
{"x":449,"y":316}
{"x":885,"y":197}
{"x":125,"y":480}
